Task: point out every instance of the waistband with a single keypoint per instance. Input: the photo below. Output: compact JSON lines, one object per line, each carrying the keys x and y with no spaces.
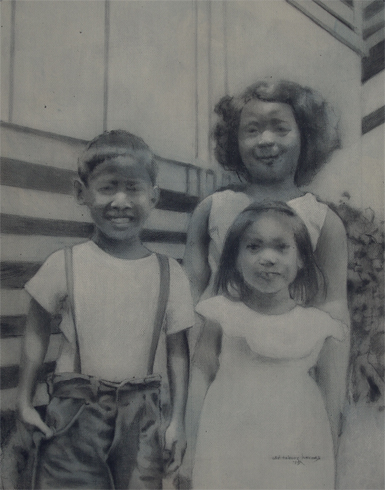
{"x":81,"y":386}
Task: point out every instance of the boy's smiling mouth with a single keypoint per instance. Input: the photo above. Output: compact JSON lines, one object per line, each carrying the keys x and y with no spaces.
{"x":121,"y":219}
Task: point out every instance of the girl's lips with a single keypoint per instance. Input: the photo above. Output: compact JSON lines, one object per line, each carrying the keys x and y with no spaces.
{"x":268,"y":159}
{"x":121,"y":220}
{"x":268,"y":275}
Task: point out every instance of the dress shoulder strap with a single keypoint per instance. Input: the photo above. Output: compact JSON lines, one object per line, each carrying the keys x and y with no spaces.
{"x":70,"y":290}
{"x":164,"y":292}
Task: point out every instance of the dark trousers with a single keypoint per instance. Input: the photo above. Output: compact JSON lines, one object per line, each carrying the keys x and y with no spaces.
{"x":106,"y":435}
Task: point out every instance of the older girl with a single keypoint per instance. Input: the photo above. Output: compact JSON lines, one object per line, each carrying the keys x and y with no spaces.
{"x":275,"y":136}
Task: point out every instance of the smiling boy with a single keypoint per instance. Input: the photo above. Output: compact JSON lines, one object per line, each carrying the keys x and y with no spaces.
{"x":116,"y":298}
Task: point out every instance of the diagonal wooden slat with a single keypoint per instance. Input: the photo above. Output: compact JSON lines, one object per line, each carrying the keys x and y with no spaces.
{"x":373,"y":120}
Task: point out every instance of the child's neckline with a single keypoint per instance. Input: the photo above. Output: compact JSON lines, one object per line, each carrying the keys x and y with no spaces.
{"x":280,"y":196}
{"x":252,"y":310}
{"x":100,"y":250}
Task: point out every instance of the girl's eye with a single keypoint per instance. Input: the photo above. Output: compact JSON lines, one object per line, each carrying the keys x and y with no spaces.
{"x":282,"y":130}
{"x":253,"y":247}
{"x":283,"y":246}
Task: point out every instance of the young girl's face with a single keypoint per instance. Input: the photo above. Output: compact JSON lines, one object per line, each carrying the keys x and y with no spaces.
{"x":269,"y":141}
{"x":268,"y":258}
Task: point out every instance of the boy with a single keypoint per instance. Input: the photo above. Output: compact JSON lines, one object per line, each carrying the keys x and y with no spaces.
{"x":102,"y":425}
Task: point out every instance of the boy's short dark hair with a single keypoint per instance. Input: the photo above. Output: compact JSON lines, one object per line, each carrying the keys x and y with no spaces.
{"x":309,"y":280}
{"x":113,"y":144}
{"x":316,"y":121}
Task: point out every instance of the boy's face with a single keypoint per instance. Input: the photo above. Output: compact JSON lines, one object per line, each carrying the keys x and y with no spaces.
{"x":120,"y":197}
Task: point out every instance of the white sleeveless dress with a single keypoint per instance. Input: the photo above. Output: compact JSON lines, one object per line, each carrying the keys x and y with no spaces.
{"x":264,"y":424}
{"x":228,"y":204}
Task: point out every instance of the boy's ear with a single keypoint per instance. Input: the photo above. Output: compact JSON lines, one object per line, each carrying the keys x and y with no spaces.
{"x":155,"y":195}
{"x":80,"y":189}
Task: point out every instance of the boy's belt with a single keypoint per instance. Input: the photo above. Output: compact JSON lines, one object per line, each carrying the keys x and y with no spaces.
{"x":90,"y":388}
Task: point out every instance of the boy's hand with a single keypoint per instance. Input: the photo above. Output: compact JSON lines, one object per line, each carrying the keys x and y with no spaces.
{"x":29,"y":415}
{"x":175,"y":447}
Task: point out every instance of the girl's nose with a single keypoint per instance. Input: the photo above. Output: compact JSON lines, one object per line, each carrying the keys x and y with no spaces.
{"x":267,"y":258}
{"x":266,"y":138}
{"x":121,"y":200}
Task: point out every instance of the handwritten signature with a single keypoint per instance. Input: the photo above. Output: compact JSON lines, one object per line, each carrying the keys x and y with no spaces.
{"x":298,"y":459}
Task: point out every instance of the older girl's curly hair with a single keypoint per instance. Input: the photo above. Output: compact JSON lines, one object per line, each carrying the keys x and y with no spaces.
{"x":317,"y":123}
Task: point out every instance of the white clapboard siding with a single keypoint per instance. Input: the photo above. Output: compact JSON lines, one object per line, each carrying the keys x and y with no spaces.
{"x":9,"y":397}
{"x":14,"y":302}
{"x":373,"y":93}
{"x":40,"y":204}
{"x":11,"y":349}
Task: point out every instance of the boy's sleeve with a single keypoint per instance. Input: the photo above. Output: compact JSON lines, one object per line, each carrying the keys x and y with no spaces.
{"x":48,"y":285}
{"x":180,"y":310}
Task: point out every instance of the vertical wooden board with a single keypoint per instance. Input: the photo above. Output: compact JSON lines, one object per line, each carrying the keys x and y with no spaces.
{"x":6,"y":41}
{"x":151,"y":74}
{"x":204,"y":103}
{"x":59,"y":66}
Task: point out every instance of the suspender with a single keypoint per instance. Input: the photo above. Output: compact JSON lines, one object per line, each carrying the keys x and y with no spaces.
{"x":70,"y":291}
{"x":164,"y":291}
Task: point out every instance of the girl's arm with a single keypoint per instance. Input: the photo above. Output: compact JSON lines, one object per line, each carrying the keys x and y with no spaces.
{"x":34,"y":349}
{"x":333,"y":362}
{"x":178,"y":374}
{"x":332,"y":258}
{"x":204,"y":367}
{"x":195,"y":259}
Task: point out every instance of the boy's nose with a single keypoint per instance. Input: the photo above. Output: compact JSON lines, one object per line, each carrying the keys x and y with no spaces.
{"x":121,"y":200}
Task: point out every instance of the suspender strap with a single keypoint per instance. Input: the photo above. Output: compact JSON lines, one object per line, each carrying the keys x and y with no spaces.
{"x":164,"y":291}
{"x":70,"y":290}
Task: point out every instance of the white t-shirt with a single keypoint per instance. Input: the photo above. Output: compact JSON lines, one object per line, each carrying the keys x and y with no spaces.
{"x":115,"y":307}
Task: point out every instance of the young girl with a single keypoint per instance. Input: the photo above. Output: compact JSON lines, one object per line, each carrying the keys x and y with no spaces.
{"x":275,"y":136}
{"x":264,"y":423}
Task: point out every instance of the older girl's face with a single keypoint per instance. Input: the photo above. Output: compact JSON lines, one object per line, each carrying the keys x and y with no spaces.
{"x":269,"y":141}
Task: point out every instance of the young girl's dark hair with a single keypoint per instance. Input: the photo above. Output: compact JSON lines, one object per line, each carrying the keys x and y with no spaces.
{"x":113,"y":144}
{"x":229,"y":280}
{"x":315,"y":119}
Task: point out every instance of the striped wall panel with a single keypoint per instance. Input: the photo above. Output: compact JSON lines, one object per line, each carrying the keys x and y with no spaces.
{"x":39,"y":216}
{"x":341,"y":19}
{"x":373,"y":65}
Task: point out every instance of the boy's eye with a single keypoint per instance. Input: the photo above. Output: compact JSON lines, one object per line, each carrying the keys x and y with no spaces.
{"x":134,"y":187}
{"x":252,"y":130}
{"x":107,"y":188}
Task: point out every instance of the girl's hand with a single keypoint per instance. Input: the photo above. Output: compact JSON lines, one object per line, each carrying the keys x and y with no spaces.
{"x":29,"y":415}
{"x":175,"y":447}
